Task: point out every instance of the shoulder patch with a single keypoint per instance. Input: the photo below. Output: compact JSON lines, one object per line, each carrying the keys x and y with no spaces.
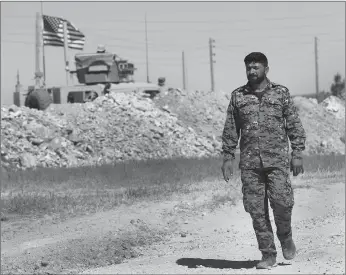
{"x":280,"y":87}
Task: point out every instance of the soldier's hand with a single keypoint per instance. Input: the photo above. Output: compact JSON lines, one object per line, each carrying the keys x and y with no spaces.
{"x":297,"y":166}
{"x":227,"y":169}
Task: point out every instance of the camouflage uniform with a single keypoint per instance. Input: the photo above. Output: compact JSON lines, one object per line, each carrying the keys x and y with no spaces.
{"x":263,"y":121}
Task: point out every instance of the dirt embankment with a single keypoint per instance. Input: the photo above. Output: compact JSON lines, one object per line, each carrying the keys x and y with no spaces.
{"x":122,"y":127}
{"x":324,"y":124}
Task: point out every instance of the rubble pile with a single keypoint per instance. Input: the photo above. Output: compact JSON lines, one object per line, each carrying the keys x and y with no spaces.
{"x":116,"y":127}
{"x":206,"y":112}
{"x":335,"y":106}
{"x":128,"y":126}
{"x":203,"y":111}
{"x":325,"y":129}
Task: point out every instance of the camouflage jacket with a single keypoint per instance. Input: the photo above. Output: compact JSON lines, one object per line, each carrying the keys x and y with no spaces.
{"x":263,"y":121}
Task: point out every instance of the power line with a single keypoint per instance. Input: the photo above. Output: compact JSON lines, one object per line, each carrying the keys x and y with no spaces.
{"x":174,"y":44}
{"x":320,"y":16}
{"x":111,"y":28}
{"x":98,"y":32}
{"x":122,"y":46}
{"x":263,"y":37}
{"x":243,"y":20}
{"x":235,"y":33}
{"x":158,"y":48}
{"x":222,"y":46}
{"x":286,"y":43}
{"x":108,"y":38}
{"x":204,"y":30}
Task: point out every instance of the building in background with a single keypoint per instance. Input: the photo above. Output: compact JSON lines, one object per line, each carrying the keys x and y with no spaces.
{"x":18,"y":95}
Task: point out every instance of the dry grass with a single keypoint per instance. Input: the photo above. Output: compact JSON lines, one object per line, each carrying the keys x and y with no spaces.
{"x":318,"y":179}
{"x":64,"y":193}
{"x":71,"y":192}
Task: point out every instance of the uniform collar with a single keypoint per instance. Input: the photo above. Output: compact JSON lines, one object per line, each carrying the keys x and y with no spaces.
{"x":247,"y":88}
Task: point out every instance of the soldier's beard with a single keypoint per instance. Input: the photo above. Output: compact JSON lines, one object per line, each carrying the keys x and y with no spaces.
{"x":256,"y":80}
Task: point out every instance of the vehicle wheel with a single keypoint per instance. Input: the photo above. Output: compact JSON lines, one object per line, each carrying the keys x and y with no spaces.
{"x":26,"y":102}
{"x":92,"y":96}
{"x":38,"y":99}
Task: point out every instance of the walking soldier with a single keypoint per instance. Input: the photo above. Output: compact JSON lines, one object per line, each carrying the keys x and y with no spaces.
{"x":263,"y":116}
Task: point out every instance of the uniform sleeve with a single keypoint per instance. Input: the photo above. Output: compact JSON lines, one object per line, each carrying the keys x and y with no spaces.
{"x":294,"y":126}
{"x":230,"y":135}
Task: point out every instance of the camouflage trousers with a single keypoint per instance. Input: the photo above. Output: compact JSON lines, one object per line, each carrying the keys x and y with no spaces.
{"x":259,"y":186}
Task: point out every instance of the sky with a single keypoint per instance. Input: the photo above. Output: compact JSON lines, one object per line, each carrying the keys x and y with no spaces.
{"x":284,"y":31}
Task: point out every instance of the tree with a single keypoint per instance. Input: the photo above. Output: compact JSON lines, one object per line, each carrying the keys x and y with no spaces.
{"x":338,"y":87}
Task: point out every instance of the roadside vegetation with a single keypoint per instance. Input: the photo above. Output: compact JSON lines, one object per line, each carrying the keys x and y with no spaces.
{"x":68,"y":192}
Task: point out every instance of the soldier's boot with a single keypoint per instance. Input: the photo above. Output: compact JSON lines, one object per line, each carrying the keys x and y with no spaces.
{"x":267,"y":262}
{"x":282,"y":217}
{"x":288,"y":248}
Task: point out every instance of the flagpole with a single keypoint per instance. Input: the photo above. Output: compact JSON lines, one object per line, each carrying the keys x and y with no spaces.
{"x":66,"y":51}
{"x":43,"y":51}
{"x":37,"y":56}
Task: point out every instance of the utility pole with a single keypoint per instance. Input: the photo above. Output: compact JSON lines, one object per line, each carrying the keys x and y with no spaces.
{"x":184,"y":79}
{"x":316,"y":67}
{"x":212,"y":61}
{"x":146,"y":46}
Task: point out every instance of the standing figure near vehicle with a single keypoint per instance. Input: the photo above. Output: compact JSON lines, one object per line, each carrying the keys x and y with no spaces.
{"x":101,"y":49}
{"x":106,"y":89}
{"x":262,"y":114}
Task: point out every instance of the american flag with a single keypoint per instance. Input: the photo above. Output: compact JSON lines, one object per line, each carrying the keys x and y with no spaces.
{"x":53,"y":33}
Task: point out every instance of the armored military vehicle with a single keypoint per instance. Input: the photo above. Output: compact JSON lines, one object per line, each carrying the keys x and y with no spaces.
{"x":94,"y":72}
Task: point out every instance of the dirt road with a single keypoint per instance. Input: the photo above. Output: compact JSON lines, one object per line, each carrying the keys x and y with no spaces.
{"x":200,"y":242}
{"x":224,"y":242}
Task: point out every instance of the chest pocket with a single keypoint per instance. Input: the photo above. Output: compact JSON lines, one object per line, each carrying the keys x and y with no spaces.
{"x":274,"y":107}
{"x":247,"y":106}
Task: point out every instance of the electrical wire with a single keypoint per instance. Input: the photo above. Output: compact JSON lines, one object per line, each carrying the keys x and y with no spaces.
{"x":320,"y":16}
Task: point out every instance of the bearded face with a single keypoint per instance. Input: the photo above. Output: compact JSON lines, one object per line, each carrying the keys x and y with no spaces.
{"x":256,"y":72}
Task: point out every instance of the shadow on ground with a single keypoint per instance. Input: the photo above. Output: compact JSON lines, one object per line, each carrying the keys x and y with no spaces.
{"x":213,"y":263}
